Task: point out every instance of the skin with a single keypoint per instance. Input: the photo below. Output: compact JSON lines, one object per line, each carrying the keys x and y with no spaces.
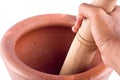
{"x":105,"y":29}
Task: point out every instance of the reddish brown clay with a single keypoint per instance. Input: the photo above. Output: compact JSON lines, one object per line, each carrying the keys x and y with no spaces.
{"x":35,"y":48}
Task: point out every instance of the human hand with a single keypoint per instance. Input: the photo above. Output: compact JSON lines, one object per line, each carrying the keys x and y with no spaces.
{"x":105,"y":29}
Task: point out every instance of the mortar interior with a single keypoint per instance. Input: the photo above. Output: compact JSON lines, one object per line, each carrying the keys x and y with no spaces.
{"x":45,"y":49}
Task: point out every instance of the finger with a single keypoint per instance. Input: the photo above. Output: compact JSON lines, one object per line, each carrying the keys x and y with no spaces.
{"x":89,"y":11}
{"x":115,"y":13}
{"x":74,"y":29}
{"x":77,"y":24}
{"x":115,"y":10}
{"x":84,"y":9}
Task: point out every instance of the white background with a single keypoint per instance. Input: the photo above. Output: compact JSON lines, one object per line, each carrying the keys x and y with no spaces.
{"x":13,"y":11}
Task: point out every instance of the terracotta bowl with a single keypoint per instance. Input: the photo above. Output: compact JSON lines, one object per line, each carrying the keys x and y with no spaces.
{"x":35,"y":48}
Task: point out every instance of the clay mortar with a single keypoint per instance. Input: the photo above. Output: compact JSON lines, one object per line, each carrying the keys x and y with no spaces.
{"x":35,"y":49}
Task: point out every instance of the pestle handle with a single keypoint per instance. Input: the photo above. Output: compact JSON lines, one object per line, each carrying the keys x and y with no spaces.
{"x":83,"y":47}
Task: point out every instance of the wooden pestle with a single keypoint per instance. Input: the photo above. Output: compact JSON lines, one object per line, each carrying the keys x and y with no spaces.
{"x":83,"y":47}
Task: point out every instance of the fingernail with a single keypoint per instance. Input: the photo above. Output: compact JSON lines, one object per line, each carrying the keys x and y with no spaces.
{"x":74,"y":29}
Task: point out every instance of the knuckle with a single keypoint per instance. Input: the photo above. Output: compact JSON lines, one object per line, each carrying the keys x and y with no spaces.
{"x":97,"y":11}
{"x":90,"y":10}
{"x":82,"y":5}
